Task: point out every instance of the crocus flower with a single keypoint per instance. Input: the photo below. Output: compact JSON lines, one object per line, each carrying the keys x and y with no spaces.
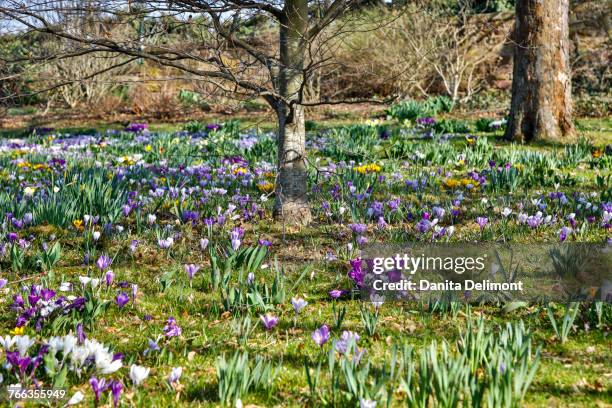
{"x":482,"y":221}
{"x":76,"y":398}
{"x":175,"y":375}
{"x":109,"y":277}
{"x":191,"y":270}
{"x":235,"y":237}
{"x":153,"y":346}
{"x":116,"y":389}
{"x":138,"y":374}
{"x":165,"y":243}
{"x":171,"y":329}
{"x":336,"y":293}
{"x":264,"y":242}
{"x":366,"y":403}
{"x":563,"y":233}
{"x":269,"y":321}
{"x":203,"y":243}
{"x":358,"y":229}
{"x":3,"y":283}
{"x":122,"y":299}
{"x":134,"y":291}
{"x":133,"y":245}
{"x":103,"y":262}
{"x":320,"y":335}
{"x":298,"y":304}
{"x":346,"y":338}
{"x":151,"y":218}
{"x":80,"y":333}
{"x":356,"y":272}
{"x":98,"y":386}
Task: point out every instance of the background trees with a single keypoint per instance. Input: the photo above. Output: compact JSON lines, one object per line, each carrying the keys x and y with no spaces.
{"x":541,"y":89}
{"x":292,"y":55}
{"x":217,"y":50}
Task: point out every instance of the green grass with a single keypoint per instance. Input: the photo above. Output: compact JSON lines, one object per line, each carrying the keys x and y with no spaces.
{"x":576,"y":373}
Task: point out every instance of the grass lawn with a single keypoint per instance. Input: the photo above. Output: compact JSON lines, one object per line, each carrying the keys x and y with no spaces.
{"x":148,"y":199}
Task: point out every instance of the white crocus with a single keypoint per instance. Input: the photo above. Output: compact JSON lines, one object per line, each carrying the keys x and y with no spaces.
{"x":365,"y":403}
{"x":23,"y":343}
{"x":84,"y":280}
{"x":65,"y":287}
{"x":70,"y":341}
{"x":7,"y":342}
{"x":76,"y":398}
{"x":105,"y":363}
{"x":138,"y":374}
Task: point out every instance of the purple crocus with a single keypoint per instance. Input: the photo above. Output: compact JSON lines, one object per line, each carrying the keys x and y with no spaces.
{"x":264,"y":242}
{"x":203,"y":243}
{"x":122,"y":299}
{"x":103,"y":262}
{"x":153,"y":346}
{"x":136,"y":127}
{"x":563,"y":233}
{"x":133,"y":245}
{"x":358,"y":229}
{"x":109,"y":277}
{"x":47,"y":294}
{"x":191,"y":270}
{"x":298,"y":304}
{"x":269,"y":321}
{"x":98,"y":386}
{"x":356,"y":272}
{"x":320,"y":335}
{"x":235,"y":236}
{"x":336,"y":293}
{"x":80,"y":333}
{"x":482,"y":221}
{"x":171,"y":329}
{"x":346,"y":338}
{"x":116,"y":390}
{"x":165,"y":243}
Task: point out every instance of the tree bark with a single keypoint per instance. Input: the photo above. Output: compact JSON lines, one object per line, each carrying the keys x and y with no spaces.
{"x":291,"y":202}
{"x":541,"y":107}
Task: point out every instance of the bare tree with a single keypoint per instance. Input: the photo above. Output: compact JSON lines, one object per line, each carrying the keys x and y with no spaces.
{"x":541,"y":86}
{"x":206,"y":40}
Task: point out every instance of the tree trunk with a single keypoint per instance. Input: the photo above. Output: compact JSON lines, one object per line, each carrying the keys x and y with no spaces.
{"x":541,"y":107}
{"x":291,"y":203}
